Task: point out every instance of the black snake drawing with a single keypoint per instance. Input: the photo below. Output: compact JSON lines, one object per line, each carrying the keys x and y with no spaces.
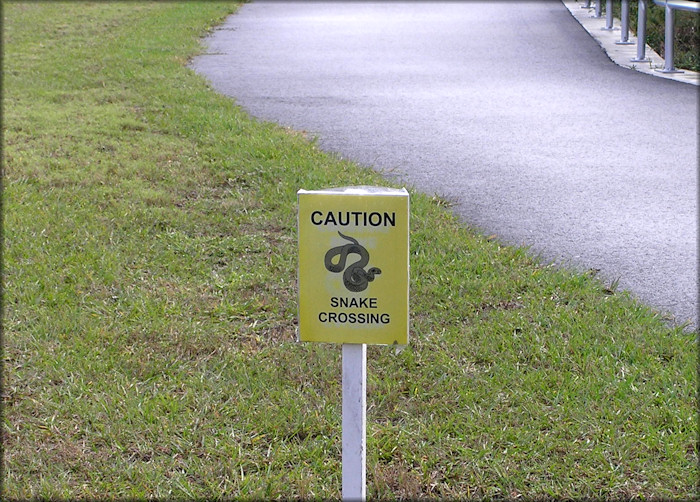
{"x":355,"y":277}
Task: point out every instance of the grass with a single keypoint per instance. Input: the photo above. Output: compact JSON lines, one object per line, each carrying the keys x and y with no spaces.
{"x":150,"y":304}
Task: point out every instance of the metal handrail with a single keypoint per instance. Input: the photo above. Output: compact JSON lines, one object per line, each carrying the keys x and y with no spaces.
{"x":670,"y":6}
{"x":691,"y":5}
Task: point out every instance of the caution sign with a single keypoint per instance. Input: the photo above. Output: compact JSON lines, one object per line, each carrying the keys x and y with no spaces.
{"x":353,"y":265}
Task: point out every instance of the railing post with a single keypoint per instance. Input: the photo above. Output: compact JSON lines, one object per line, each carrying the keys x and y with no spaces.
{"x":641,"y":33}
{"x":625,"y":31}
{"x":608,"y":16}
{"x":668,"y":43}
{"x":598,"y":9}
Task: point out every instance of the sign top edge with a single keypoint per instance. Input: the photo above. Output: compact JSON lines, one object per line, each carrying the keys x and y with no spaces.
{"x":357,"y":190}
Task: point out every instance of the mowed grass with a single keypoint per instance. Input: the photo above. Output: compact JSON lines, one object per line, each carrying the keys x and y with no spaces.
{"x":150,"y":307}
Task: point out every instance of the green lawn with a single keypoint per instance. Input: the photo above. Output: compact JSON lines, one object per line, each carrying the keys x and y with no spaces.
{"x":150,"y":307}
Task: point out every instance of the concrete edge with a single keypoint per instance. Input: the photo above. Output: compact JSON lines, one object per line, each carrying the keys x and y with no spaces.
{"x":623,"y":54}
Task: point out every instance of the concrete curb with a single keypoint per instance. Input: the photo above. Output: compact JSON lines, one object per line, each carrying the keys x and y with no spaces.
{"x":623,"y":54}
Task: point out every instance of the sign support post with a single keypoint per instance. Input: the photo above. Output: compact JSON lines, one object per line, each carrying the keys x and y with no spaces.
{"x":354,"y":423}
{"x":353,"y":290}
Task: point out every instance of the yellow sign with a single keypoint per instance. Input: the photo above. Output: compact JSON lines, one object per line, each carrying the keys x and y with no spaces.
{"x":353,"y":265}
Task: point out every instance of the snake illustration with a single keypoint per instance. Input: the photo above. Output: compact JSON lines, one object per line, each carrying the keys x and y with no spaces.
{"x":355,"y":277}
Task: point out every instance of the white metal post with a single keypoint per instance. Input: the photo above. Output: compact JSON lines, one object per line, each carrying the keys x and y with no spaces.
{"x":641,"y":32}
{"x":354,"y":420}
{"x":608,"y":16}
{"x":625,"y":30}
{"x":668,"y":42}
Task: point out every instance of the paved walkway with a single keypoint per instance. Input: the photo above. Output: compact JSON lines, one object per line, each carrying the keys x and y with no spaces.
{"x":509,"y":109}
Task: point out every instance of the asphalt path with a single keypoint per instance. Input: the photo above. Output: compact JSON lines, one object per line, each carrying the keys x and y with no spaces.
{"x":508,"y":109}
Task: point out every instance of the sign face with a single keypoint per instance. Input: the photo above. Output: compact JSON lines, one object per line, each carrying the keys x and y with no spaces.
{"x":353,"y":265}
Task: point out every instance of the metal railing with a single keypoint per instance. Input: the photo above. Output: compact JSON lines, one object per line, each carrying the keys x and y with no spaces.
{"x":669,"y":5}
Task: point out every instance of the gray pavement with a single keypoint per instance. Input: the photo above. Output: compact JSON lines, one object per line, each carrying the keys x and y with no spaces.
{"x":509,"y":109}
